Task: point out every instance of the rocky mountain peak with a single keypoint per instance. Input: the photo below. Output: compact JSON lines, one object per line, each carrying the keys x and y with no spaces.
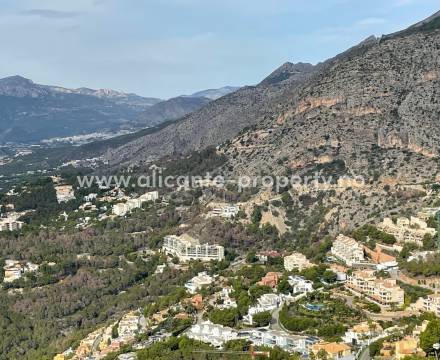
{"x":286,"y":71}
{"x":19,"y":86}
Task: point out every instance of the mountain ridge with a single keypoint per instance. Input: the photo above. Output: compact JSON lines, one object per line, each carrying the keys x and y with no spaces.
{"x":34,"y":113}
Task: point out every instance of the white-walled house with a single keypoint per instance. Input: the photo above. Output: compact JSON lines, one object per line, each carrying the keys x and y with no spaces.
{"x":300,"y":285}
{"x":210,"y":333}
{"x":197,"y":282}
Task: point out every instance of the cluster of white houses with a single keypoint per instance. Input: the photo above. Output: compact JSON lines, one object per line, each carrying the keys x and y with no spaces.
{"x":217,"y":335}
{"x":120,"y":209}
{"x":187,"y":248}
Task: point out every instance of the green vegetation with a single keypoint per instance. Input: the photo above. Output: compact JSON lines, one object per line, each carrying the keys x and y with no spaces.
{"x":183,"y":348}
{"x":372,"y":307}
{"x":375,"y":348}
{"x":330,"y":322}
{"x":412,"y":293}
{"x":428,"y":267}
{"x":256,"y":215}
{"x":262,"y":319}
{"x":226,"y":317}
{"x":430,"y":336}
{"x":371,"y":234}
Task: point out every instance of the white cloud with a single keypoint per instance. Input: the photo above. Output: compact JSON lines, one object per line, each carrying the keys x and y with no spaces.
{"x":50,"y":13}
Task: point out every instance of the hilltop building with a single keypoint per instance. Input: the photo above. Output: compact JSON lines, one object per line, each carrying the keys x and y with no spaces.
{"x":64,"y":193}
{"x":300,"y":285}
{"x":361,"y":334}
{"x":14,"y":270}
{"x":187,"y":248}
{"x":266,"y":302}
{"x":270,"y":279}
{"x":210,"y":333}
{"x":120,"y":209}
{"x":225,"y":211}
{"x":10,"y":224}
{"x":271,"y":338}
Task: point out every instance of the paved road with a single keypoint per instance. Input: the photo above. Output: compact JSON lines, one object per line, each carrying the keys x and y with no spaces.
{"x":275,"y":323}
{"x":365,"y":354}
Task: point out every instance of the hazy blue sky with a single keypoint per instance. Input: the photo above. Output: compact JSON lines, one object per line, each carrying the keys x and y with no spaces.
{"x":165,"y":48}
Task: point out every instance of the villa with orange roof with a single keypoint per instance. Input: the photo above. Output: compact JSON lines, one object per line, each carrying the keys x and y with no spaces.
{"x":270,"y":279}
{"x":333,"y":350}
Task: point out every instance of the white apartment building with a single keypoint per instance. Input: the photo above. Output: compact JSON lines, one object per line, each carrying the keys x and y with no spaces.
{"x":197,"y":282}
{"x":149,"y":196}
{"x":210,"y":333}
{"x":384,"y":292}
{"x":296,"y":261}
{"x":300,"y":285}
{"x":407,"y":230}
{"x":225,"y":211}
{"x":348,"y":250}
{"x":187,"y":248}
{"x":431,"y":303}
{"x":120,"y":209}
{"x":287,"y":342}
{"x":10,"y":225}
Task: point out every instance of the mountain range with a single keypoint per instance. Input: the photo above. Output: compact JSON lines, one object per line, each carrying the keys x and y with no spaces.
{"x":378,"y":100}
{"x":31,"y":113}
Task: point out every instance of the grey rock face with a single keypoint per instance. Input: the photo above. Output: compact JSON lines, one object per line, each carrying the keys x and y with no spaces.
{"x":216,"y":122}
{"x":380,"y":95}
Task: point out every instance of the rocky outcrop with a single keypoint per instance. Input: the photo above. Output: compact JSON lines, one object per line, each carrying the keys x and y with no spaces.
{"x":218,"y":121}
{"x":375,"y":108}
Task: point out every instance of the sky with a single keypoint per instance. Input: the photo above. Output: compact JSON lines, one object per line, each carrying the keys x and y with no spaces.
{"x":166,"y":48}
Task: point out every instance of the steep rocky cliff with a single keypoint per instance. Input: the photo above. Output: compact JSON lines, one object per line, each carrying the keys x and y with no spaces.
{"x":218,"y":121}
{"x":375,"y":107}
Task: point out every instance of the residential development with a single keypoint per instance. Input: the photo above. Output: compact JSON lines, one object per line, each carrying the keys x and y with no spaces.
{"x":431,"y":303}
{"x":187,"y":248}
{"x":64,"y":193}
{"x":296,"y":261}
{"x":382,"y":291}
{"x":347,"y":250}
{"x":406,"y":230}
{"x":120,"y":209}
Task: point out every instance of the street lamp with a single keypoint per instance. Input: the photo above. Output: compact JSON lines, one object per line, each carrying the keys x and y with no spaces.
{"x":436,"y":348}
